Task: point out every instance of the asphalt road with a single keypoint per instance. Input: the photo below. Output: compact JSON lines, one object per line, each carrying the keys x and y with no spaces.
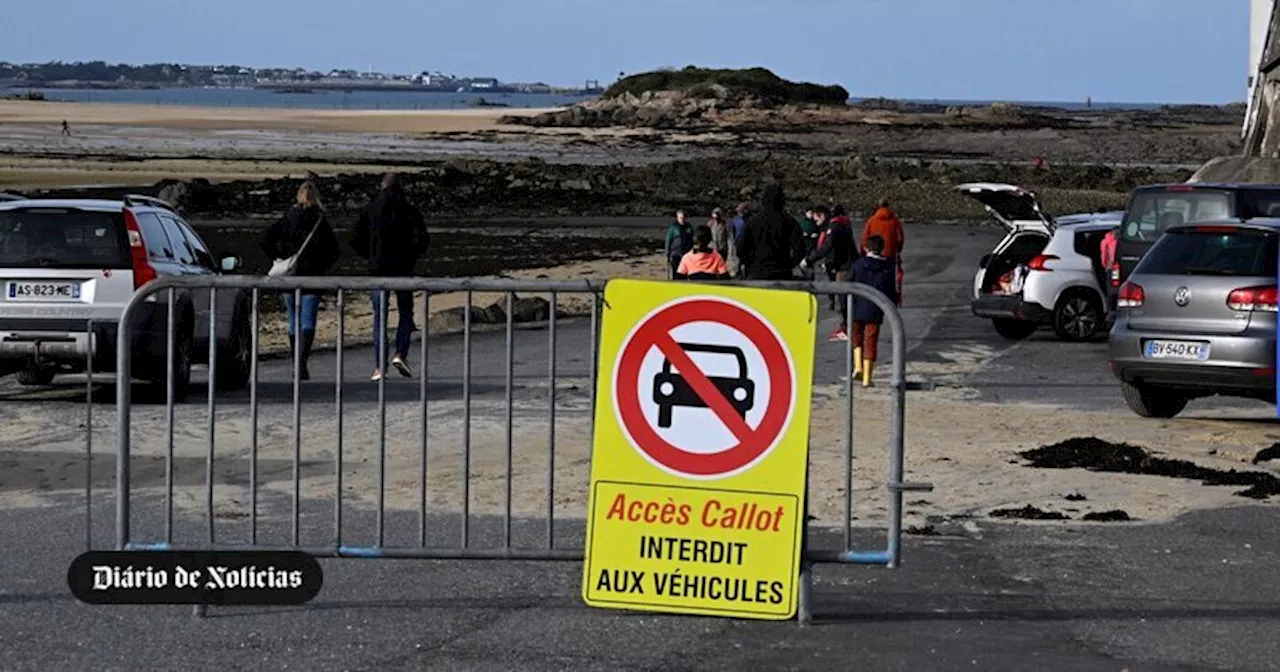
{"x":1194,"y":594}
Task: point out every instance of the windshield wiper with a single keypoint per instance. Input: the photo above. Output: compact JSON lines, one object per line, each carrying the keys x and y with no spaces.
{"x":46,"y":261}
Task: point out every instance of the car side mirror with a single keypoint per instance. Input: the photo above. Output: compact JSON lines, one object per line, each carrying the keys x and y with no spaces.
{"x":986,"y":259}
{"x":231,"y":263}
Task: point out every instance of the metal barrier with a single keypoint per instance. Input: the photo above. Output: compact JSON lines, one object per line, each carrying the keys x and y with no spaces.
{"x":889,"y":556}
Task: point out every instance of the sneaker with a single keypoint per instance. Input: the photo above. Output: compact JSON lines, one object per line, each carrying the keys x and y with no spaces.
{"x":838,"y":335}
{"x":377,"y":375}
{"x":401,"y":366}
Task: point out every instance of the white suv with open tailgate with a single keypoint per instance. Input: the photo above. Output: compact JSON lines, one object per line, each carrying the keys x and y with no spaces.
{"x":1046,"y":271}
{"x":68,"y":266}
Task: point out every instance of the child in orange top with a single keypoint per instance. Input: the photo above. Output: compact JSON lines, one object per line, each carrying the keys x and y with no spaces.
{"x":702,"y":262}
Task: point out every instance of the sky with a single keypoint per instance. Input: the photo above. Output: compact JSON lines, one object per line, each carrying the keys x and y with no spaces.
{"x":1173,"y":51}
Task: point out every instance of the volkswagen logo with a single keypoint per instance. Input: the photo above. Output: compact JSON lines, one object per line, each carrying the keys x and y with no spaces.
{"x":1182,"y":297}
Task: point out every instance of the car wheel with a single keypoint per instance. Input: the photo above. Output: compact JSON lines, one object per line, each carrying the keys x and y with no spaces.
{"x":182,"y":359}
{"x":234,"y":356}
{"x":1014,"y":330}
{"x":1077,"y":317}
{"x":36,"y":375}
{"x":1152,"y":403}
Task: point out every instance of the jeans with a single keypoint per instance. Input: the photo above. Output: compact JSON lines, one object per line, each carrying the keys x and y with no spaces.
{"x":310,"y":307}
{"x":843,"y":299}
{"x":404,"y":330}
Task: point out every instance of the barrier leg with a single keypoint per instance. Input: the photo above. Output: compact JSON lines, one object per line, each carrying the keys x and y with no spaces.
{"x":804,"y":608}
{"x":804,"y":612}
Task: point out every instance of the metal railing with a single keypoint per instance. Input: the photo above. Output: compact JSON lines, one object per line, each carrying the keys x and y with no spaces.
{"x":340,"y":288}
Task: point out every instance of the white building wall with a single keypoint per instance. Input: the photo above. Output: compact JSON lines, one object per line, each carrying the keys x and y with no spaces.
{"x":1259,"y":18}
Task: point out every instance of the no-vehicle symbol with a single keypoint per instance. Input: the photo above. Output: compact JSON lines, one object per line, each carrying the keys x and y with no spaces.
{"x":704,"y":387}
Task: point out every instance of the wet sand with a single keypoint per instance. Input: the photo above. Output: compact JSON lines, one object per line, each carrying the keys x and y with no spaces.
{"x":231,"y":118}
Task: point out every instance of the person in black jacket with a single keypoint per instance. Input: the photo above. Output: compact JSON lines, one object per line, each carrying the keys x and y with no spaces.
{"x":877,"y":272}
{"x":391,"y":235}
{"x":283,"y":240}
{"x":772,"y":243}
{"x":839,"y":250}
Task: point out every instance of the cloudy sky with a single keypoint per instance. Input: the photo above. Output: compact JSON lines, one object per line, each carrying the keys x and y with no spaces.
{"x":1048,"y":50}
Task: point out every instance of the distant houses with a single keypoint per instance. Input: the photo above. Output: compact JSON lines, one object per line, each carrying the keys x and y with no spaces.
{"x":98,"y":74}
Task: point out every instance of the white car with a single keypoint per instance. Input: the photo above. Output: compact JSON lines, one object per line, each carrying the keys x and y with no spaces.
{"x":68,"y":267}
{"x":1046,"y":271}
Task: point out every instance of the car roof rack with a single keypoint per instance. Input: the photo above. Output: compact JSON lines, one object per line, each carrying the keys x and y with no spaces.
{"x":6,"y":196}
{"x":131,"y":200}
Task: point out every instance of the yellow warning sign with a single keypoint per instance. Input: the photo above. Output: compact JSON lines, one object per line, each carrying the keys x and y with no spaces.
{"x":700,"y":449}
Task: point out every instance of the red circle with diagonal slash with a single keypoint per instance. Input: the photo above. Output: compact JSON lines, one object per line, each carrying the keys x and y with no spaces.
{"x":753,"y":442}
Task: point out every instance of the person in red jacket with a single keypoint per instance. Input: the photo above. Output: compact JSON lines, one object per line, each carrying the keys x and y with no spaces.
{"x":884,"y":222}
{"x":1108,"y":262}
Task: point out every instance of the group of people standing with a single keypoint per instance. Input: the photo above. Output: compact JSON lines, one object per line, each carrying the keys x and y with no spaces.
{"x":770,"y":244}
{"x":391,"y":235}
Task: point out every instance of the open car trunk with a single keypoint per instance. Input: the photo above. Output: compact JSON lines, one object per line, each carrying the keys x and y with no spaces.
{"x":1014,"y":207}
{"x":1007,"y":268}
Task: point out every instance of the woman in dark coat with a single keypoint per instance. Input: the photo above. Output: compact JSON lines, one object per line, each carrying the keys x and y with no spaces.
{"x":283,"y":240}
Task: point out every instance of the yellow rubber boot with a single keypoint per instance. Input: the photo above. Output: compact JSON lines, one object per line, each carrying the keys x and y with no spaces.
{"x":867,"y":367}
{"x":857,"y":362}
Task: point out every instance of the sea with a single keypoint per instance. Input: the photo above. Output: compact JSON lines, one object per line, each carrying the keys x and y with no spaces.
{"x":408,"y":100}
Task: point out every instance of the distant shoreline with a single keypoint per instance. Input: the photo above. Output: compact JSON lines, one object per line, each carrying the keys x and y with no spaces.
{"x":313,"y":86}
{"x":295,"y":98}
{"x":408,"y":97}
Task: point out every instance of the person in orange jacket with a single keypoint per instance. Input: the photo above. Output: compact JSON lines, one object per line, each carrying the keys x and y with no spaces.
{"x":884,"y":222}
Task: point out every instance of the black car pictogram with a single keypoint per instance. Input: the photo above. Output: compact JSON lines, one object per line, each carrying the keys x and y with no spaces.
{"x":671,"y":389}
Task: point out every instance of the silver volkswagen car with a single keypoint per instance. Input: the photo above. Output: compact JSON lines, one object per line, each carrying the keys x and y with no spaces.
{"x":1197,"y":318}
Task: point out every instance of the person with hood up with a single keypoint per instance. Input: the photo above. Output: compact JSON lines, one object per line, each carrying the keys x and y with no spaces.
{"x":839,"y":252}
{"x":876,"y":271}
{"x":391,"y":235}
{"x":772,"y":244}
{"x":679,"y":242}
{"x":303,"y":231}
{"x":884,"y":222}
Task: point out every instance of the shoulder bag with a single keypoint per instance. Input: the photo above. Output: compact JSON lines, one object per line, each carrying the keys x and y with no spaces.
{"x":289,"y":266}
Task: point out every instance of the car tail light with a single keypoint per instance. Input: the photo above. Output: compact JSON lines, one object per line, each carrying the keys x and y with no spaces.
{"x":1180,"y":188}
{"x":143,"y":272}
{"x":1248,"y":299}
{"x":1217,"y":229}
{"x":1115,"y":274}
{"x":1131,"y":296}
{"x":1038,"y":263}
